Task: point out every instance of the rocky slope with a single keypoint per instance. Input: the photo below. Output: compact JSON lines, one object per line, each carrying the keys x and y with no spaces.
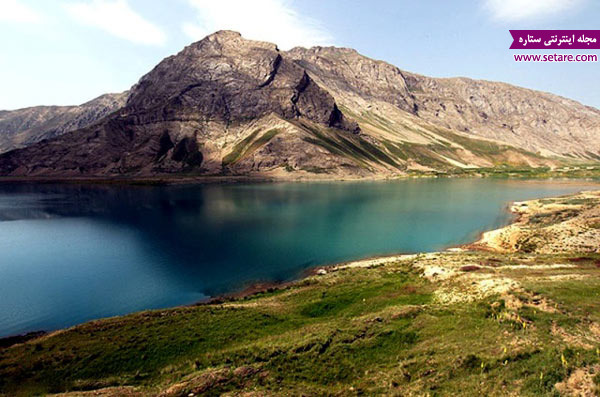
{"x":230,"y":106}
{"x":531,"y":120}
{"x":23,"y":127}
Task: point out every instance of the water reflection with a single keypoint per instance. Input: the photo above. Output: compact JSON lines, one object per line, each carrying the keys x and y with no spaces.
{"x":69,"y":253}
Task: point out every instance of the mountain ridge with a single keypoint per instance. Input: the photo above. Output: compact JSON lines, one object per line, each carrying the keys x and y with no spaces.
{"x":229,"y":106}
{"x":422,"y":90}
{"x":23,"y":127}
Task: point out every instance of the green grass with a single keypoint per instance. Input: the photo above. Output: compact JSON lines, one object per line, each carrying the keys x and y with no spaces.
{"x":353,"y":147}
{"x":262,"y":140}
{"x":377,"y":153}
{"x":135,"y":349}
{"x":354,"y":331}
{"x":476,"y":146}
{"x":331,"y":144}
{"x":238,"y":149}
{"x":248,"y":146}
{"x":581,"y":299}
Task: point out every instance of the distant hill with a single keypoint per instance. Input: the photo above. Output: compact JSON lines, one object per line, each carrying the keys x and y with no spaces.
{"x":23,"y":127}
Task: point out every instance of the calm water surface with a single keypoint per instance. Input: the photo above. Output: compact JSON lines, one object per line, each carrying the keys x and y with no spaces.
{"x":69,"y":253}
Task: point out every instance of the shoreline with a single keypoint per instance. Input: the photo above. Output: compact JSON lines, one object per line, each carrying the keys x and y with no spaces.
{"x":261,"y":286}
{"x":174,"y":180}
{"x":256,"y":287}
{"x":504,"y":311}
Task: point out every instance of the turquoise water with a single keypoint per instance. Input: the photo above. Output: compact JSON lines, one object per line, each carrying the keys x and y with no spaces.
{"x":72,"y":253}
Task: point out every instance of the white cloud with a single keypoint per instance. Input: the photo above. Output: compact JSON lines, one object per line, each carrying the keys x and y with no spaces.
{"x":117,"y":18}
{"x":267,"y":20}
{"x":16,"y":11}
{"x":519,"y":10}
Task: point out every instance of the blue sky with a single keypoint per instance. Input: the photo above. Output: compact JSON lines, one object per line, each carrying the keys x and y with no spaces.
{"x":69,"y":51}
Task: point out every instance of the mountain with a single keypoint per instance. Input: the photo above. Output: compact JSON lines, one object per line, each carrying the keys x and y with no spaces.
{"x":23,"y":127}
{"x":230,"y":106}
{"x":531,"y":120}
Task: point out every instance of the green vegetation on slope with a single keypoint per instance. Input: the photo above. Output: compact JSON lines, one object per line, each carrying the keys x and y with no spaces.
{"x":352,"y":331}
{"x":355,"y":148}
{"x":238,"y":149}
{"x":262,"y":140}
{"x":434,"y":154}
{"x":249,"y":145}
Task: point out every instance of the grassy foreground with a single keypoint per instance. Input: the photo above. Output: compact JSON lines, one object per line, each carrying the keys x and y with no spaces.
{"x":491,"y":321}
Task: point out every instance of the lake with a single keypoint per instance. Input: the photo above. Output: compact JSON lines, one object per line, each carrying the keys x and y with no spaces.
{"x":72,"y":253}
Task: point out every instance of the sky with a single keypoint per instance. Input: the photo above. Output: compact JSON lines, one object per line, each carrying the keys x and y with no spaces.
{"x":66,"y":52}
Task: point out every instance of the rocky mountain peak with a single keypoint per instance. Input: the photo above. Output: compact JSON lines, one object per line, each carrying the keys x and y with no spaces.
{"x":223,"y":34}
{"x":233,"y":39}
{"x":227,"y":78}
{"x":323,"y":50}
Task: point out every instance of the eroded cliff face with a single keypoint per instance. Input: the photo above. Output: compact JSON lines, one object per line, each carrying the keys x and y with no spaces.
{"x":354,"y":77}
{"x":230,"y":106}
